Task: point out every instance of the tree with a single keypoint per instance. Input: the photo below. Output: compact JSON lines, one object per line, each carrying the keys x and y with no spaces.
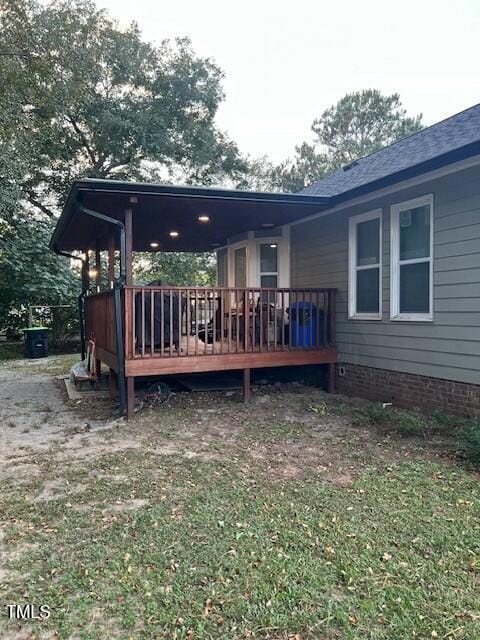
{"x":359,"y":124}
{"x":101,"y":102}
{"x":82,"y":97}
{"x":182,"y":269}
{"x":30,"y":274}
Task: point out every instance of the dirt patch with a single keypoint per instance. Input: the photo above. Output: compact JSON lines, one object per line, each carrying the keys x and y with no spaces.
{"x":126,"y":505}
{"x":57,"y":489}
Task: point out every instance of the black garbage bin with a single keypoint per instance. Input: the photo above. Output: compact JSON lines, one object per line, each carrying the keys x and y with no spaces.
{"x":36,"y":342}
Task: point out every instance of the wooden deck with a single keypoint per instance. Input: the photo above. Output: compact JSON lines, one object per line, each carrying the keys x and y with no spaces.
{"x":171,"y":330}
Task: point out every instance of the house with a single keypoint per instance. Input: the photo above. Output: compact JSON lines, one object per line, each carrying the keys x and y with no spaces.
{"x":373,"y":271}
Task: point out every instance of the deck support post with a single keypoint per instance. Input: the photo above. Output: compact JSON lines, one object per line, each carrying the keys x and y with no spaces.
{"x":246,"y":385}
{"x":85,"y":272}
{"x":98,"y":268}
{"x":331,"y":381}
{"x":113,"y":384}
{"x":130,"y":396}
{"x":128,"y":247}
{"x":111,"y":260}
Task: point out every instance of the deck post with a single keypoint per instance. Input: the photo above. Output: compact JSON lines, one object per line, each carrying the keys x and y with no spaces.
{"x":98,"y":268}
{"x":113,"y":384}
{"x":130,"y":396}
{"x":246,"y":385}
{"x":331,"y":381}
{"x":85,"y":270}
{"x":111,"y":260}
{"x":128,"y":247}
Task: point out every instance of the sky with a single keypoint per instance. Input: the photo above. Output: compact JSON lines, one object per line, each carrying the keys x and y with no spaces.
{"x":286,"y":62}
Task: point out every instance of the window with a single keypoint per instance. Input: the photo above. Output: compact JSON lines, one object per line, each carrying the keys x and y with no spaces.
{"x":365,"y":268}
{"x":412,"y":260}
{"x":269,"y":265}
{"x":241,"y":267}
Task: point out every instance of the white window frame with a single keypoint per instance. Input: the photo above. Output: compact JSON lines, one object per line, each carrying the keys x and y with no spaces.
{"x":353,"y":268}
{"x":276,"y":241}
{"x":395,"y":261}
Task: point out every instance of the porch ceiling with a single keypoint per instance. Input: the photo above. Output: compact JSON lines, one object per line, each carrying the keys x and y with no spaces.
{"x":160,"y":209}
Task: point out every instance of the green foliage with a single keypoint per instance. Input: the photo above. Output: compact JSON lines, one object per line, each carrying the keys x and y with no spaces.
{"x":362,"y":123}
{"x":405,"y":423}
{"x":409,"y":423}
{"x":359,"y":124}
{"x":83,"y":97}
{"x":98,"y":101}
{"x":32,"y":274}
{"x":180,"y":269}
{"x":470,"y":440}
{"x":443,"y":421}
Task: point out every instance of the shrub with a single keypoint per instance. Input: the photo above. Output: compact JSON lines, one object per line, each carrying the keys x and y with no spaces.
{"x":406,"y":423}
{"x":470,"y":440}
{"x":411,"y":424}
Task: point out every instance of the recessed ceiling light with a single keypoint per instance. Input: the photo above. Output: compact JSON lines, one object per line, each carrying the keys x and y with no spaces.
{"x":173,"y":234}
{"x":268,"y":224}
{"x":204,"y":218}
{"x":273,"y":246}
{"x":154,"y":245}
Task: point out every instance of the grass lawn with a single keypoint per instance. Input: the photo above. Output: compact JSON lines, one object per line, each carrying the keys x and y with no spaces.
{"x":209,"y":519}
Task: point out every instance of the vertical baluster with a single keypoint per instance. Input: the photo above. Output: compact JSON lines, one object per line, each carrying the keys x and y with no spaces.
{"x":312,"y":320}
{"x":260,"y":320}
{"x":237,"y":321}
{"x":197,"y":320}
{"x":188,"y":327}
{"x":275,"y":319}
{"x":333,"y":323}
{"x":143,"y":322}
{"x":222,"y":316}
{"x":179,"y":321}
{"x":246,"y":318}
{"x":229,"y":321}
{"x":254,"y":318}
{"x":152,"y":323}
{"x":162,"y":321}
{"x":214,"y":320}
{"x":133,"y":306}
{"x":170,"y":329}
{"x":297,"y":316}
{"x":326,"y":315}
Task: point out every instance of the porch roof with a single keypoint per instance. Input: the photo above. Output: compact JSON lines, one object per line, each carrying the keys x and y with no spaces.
{"x":159,"y":209}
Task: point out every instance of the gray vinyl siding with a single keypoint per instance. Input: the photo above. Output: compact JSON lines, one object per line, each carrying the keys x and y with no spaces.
{"x":448,"y":347}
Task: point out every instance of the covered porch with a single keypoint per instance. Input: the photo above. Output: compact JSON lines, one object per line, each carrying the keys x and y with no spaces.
{"x":250,"y":320}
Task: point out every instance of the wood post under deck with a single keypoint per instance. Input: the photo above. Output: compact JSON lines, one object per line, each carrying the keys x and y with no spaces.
{"x":130,"y":396}
{"x":246,"y":385}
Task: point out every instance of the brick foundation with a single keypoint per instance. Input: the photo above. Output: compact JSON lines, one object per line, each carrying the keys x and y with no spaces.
{"x":410,"y":390}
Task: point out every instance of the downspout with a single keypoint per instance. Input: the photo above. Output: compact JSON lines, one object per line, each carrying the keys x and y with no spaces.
{"x":118,"y":285}
{"x":81,"y":301}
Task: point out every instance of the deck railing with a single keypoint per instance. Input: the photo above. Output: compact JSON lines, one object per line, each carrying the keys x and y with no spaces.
{"x":100,"y":320}
{"x":168,"y":322}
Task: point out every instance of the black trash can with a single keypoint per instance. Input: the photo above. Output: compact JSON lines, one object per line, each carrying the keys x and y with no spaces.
{"x":36,"y":342}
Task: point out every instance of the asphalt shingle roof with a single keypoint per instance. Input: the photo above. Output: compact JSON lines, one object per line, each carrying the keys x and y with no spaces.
{"x":446,"y":136}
